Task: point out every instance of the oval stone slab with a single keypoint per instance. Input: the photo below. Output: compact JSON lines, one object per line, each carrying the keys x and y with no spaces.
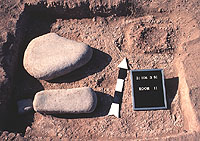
{"x":50,"y":56}
{"x":61,"y":101}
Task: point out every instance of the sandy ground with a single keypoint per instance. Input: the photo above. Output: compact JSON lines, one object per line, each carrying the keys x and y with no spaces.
{"x":149,"y":34}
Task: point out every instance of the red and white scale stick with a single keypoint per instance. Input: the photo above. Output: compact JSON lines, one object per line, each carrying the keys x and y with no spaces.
{"x":115,"y":107}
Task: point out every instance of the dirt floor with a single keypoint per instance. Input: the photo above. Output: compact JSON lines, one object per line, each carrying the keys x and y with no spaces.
{"x":149,"y":34}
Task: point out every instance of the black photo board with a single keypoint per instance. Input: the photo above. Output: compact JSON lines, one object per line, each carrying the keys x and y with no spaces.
{"x":148,"y":89}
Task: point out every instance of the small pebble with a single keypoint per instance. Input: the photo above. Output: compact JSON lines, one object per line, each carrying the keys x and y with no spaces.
{"x":24,"y":106}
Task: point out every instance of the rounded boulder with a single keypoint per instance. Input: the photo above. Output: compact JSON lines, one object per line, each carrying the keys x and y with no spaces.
{"x":50,"y":56}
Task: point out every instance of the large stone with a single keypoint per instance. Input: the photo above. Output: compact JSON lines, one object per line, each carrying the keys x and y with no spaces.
{"x":60,"y":101}
{"x":50,"y":56}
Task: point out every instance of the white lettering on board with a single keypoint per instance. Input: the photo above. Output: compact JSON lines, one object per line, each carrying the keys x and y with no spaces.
{"x":144,"y":88}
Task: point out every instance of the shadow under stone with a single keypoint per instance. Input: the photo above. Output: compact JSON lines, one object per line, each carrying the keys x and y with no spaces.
{"x":104,"y":102}
{"x":25,"y":88}
{"x":171,"y":86}
{"x":97,"y":63}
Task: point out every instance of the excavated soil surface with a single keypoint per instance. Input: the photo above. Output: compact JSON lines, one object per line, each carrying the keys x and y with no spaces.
{"x":148,"y":41}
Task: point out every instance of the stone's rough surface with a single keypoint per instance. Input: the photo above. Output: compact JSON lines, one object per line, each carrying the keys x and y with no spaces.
{"x":60,"y":101}
{"x":24,"y":106}
{"x":50,"y":56}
